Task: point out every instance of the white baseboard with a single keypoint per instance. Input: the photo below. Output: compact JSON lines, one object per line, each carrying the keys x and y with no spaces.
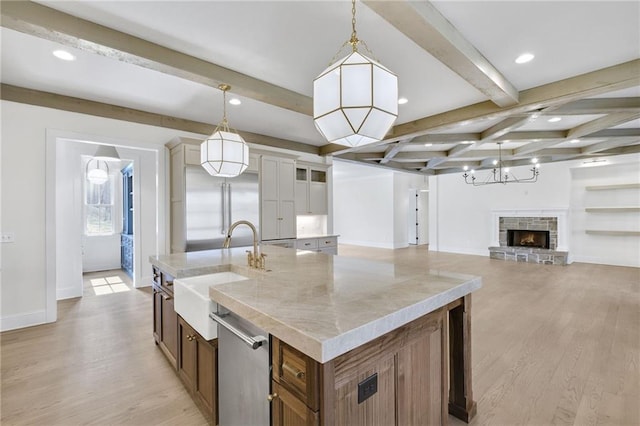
{"x":366,"y":243}
{"x":600,"y":261}
{"x":13,"y":322}
{"x":461,"y":250}
{"x":146,"y":281}
{"x":68,"y":293}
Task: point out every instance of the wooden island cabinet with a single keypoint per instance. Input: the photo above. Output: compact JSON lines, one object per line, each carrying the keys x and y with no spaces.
{"x":192,"y":356}
{"x":370,"y":385}
{"x":354,"y":343}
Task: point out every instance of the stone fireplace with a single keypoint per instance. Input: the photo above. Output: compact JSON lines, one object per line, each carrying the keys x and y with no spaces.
{"x":532,"y":236}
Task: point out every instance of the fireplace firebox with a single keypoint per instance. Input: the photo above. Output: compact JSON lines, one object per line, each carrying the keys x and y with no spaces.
{"x":528,"y":238}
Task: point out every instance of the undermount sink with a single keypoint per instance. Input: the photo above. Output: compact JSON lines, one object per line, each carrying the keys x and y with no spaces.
{"x":192,"y":300}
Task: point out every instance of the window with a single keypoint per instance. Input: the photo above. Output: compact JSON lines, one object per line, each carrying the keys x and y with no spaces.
{"x":98,"y":207}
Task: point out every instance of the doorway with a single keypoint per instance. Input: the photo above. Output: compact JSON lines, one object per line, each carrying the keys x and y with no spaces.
{"x":418,"y":217}
{"x":64,"y":248}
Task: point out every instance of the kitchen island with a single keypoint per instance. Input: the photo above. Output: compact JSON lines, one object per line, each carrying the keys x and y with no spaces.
{"x":352,"y":341}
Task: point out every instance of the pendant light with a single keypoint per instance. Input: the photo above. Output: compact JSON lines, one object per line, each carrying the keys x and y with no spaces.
{"x":355,"y":100}
{"x":97,"y":175}
{"x":224,"y":153}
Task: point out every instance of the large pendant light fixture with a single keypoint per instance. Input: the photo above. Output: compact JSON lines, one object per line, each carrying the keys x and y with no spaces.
{"x":500,"y":173}
{"x":224,"y":153}
{"x":355,"y":100}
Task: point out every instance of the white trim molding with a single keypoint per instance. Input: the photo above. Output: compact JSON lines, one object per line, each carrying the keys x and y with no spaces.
{"x":561,"y":214}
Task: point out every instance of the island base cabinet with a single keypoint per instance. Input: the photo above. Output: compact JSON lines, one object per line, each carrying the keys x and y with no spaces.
{"x":165,"y":322}
{"x":197,"y":368}
{"x":399,"y":378}
{"x":287,"y":409}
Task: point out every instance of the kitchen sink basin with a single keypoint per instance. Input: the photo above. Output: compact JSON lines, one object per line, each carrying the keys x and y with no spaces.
{"x":192,"y":300}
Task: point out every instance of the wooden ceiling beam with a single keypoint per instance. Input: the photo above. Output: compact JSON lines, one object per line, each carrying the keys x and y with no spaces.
{"x":99,"y":109}
{"x":429,"y":29}
{"x":49,"y":24}
{"x":603,"y":146}
{"x":617,"y":77}
{"x":598,"y":106}
{"x":392,"y":150}
{"x":602,"y":123}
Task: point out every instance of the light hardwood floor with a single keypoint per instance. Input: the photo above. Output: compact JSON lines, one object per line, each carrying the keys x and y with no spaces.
{"x":551,"y":345}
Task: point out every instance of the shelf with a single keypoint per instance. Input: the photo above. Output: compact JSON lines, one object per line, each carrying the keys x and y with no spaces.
{"x":618,"y":233}
{"x":609,"y":187}
{"x":611,"y":209}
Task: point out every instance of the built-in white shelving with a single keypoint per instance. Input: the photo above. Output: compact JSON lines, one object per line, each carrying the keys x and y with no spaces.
{"x":611,"y":187}
{"x":614,"y":233}
{"x":611,"y":209}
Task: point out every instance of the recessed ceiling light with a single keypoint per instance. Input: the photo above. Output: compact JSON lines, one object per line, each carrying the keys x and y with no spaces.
{"x":402,"y":101}
{"x":554,"y":119}
{"x":428,"y":144}
{"x":467,"y":142}
{"x":574,"y":141}
{"x":534,"y":160}
{"x":524,"y":58}
{"x":235,"y":101}
{"x":64,"y":55}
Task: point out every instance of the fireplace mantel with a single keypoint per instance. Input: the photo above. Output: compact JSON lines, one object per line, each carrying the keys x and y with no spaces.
{"x":561,"y":214}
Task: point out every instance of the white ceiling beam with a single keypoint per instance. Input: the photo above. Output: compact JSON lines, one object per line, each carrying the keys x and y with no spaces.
{"x":99,"y":109}
{"x":43,"y":22}
{"x":603,"y":146}
{"x":392,"y":150}
{"x":617,"y":77}
{"x":602,"y":123}
{"x":598,"y":106}
{"x":429,"y":29}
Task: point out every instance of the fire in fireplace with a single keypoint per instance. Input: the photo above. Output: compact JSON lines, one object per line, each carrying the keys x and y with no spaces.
{"x":527,"y":238}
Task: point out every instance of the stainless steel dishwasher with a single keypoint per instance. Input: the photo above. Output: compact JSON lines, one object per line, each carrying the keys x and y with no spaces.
{"x":243,"y":371}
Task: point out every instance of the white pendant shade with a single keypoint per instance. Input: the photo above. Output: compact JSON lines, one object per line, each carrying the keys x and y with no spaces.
{"x":224,"y":154}
{"x":97,"y":176}
{"x":355,"y":101}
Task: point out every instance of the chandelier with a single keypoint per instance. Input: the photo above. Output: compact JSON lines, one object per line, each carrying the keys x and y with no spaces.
{"x":355,"y":100}
{"x":501,"y":174}
{"x":224,"y":153}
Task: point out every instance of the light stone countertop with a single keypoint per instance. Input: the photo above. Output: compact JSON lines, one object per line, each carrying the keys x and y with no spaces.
{"x":322,"y":305}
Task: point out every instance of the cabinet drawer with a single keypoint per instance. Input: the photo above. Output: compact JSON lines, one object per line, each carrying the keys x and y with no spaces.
{"x":297,"y":372}
{"x":327,"y":242}
{"x":311,"y":244}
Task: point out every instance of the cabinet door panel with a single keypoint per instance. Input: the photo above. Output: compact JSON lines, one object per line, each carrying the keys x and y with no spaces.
{"x":206,"y":379}
{"x":302,"y":203}
{"x":270,"y":220}
{"x":419,"y":379}
{"x":318,"y":198}
{"x":269,"y":179}
{"x":287,"y":410}
{"x":286,"y":180}
{"x":170,"y":327}
{"x":157,"y":316}
{"x":288,"y":222}
{"x":378,"y":409}
{"x":186,"y":353}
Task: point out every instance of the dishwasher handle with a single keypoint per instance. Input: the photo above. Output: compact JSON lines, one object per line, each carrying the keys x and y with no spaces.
{"x":254,"y":342}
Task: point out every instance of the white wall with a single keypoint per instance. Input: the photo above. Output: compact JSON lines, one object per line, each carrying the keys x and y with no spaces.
{"x":26,"y":297}
{"x":371,"y":204}
{"x":460,"y":214}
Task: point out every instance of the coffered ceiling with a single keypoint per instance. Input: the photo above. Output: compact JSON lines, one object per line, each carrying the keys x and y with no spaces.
{"x":159,"y":62}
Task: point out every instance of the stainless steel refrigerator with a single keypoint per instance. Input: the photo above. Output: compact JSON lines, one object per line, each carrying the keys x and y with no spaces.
{"x":214,"y":203}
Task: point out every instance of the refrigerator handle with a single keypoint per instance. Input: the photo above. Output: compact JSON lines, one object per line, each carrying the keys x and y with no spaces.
{"x":229,"y":207}
{"x":224,"y":208}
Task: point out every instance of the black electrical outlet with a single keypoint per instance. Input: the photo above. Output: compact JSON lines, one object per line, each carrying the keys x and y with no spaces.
{"x":367,"y":387}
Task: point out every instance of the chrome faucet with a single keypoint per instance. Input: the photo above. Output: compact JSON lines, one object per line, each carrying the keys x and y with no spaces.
{"x":255,"y":259}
